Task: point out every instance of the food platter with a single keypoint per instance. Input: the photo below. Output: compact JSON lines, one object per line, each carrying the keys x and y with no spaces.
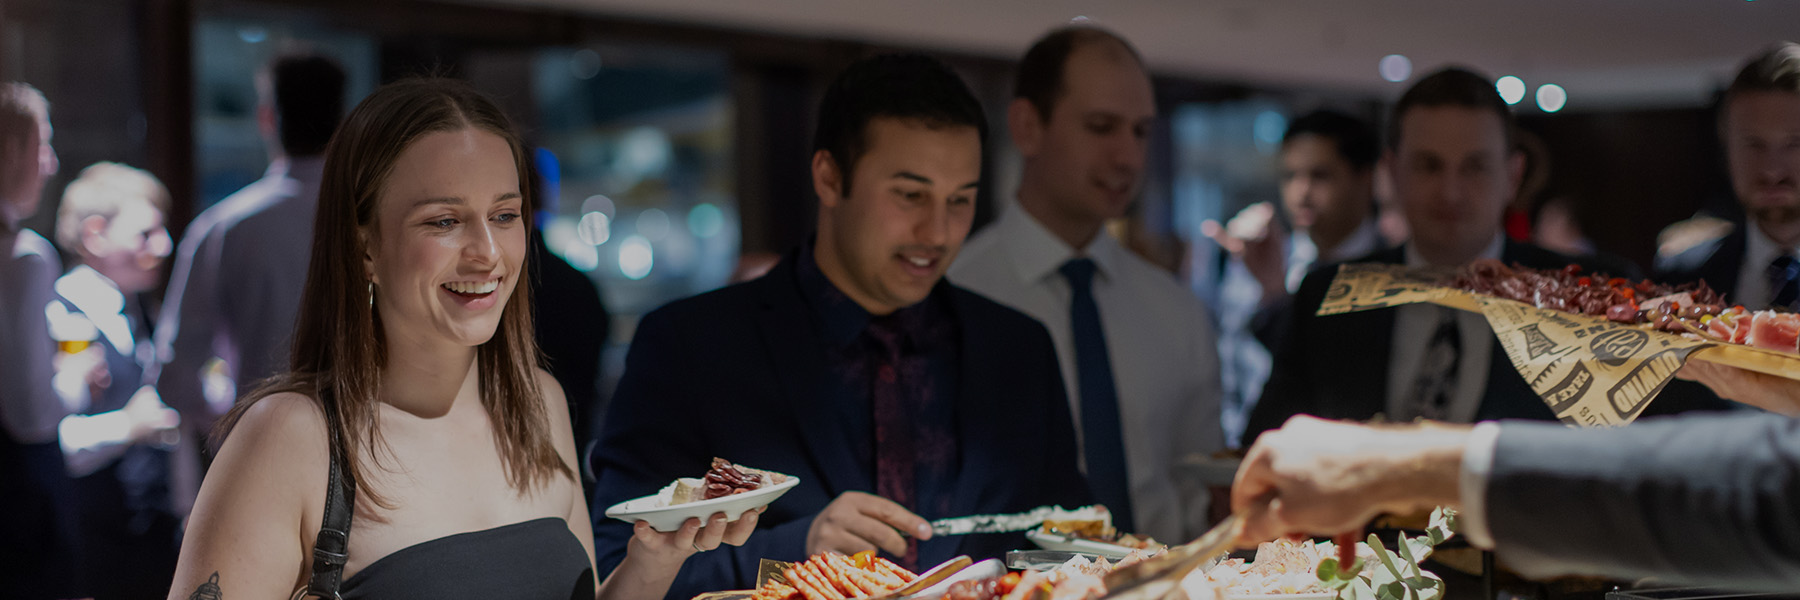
{"x":1761,"y":360}
{"x":1597,"y":350}
{"x":667,"y":509}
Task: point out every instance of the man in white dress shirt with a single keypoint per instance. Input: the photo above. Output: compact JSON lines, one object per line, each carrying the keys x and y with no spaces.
{"x":1137,"y":349}
{"x":115,"y":446}
{"x":242,"y":263}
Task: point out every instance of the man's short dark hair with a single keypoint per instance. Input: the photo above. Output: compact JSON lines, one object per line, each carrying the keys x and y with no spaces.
{"x":1453,"y":86}
{"x":1040,"y":76}
{"x":909,"y":87}
{"x":1776,"y":69}
{"x":307,"y":92}
{"x":1353,"y":138}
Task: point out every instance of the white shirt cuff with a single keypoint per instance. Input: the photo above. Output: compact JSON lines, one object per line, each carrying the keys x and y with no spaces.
{"x":90,"y":442}
{"x":1477,"y":464}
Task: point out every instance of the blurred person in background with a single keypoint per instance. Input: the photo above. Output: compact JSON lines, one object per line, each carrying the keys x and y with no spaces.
{"x":37,"y":524}
{"x":1455,"y":169}
{"x":572,"y":324}
{"x":1389,"y":219}
{"x":1756,"y":264}
{"x":1136,"y":347}
{"x":111,"y":221}
{"x":1328,"y":161}
{"x":1555,"y":227}
{"x":238,"y":272}
{"x":894,"y":396}
{"x":416,"y":449}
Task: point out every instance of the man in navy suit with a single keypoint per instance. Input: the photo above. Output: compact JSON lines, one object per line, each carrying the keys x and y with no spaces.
{"x":1756,"y":264}
{"x":893,"y":395}
{"x":1454,"y":167}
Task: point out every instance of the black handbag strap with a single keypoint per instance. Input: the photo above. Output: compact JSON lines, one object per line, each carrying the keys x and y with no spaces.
{"x":332,"y":549}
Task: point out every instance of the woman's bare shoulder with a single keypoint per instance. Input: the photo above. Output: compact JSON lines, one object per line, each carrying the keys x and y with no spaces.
{"x":552,"y":390}
{"x":287,"y":419}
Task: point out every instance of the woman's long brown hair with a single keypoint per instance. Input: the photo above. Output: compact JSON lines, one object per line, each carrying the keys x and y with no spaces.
{"x":339,"y":350}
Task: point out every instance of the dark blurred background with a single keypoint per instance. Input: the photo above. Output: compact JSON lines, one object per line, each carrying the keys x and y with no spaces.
{"x":682,"y":126}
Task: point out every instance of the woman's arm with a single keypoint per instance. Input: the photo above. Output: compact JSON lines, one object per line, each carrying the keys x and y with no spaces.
{"x":252,"y":529}
{"x":652,"y":559}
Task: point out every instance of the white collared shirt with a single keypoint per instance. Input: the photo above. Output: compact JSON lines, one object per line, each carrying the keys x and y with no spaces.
{"x":1753,"y":273}
{"x":1159,"y":341}
{"x":93,"y":440}
{"x":1303,"y":254}
{"x":1414,"y":325}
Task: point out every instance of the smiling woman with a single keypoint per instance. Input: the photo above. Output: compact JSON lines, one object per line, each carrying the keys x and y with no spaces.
{"x":414,"y":384}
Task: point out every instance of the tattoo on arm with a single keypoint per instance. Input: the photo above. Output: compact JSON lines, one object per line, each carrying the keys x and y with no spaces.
{"x":208,"y":590}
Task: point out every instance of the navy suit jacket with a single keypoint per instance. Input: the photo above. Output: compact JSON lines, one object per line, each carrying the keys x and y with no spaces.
{"x":1716,"y":262}
{"x":1336,"y":366}
{"x":737,"y":374}
{"x":1701,"y":500}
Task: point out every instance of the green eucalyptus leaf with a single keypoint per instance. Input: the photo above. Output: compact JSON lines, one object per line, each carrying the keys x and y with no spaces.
{"x":1405,"y":548}
{"x":1355,"y":569}
{"x":1419,"y":549}
{"x":1443,"y":525}
{"x":1387,"y":558}
{"x":1358,"y":590}
{"x":1327,"y":570}
{"x":1426,"y":586}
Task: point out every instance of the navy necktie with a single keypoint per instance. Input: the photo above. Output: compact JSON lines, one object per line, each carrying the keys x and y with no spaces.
{"x":1102,"y":437}
{"x":1784,"y":281}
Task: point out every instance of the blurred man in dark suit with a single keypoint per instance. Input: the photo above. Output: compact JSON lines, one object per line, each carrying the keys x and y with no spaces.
{"x":1756,"y":264}
{"x":893,"y":395}
{"x":1454,"y":167}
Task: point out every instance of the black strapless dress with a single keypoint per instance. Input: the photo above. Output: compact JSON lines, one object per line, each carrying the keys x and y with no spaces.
{"x":538,"y":559}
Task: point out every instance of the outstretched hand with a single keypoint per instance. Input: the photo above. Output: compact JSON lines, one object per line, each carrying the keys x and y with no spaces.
{"x":1768,"y":392}
{"x":1257,"y":239}
{"x":1314,"y":477}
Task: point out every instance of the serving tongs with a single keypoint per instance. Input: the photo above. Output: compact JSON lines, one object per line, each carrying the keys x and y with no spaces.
{"x":1155,"y":577}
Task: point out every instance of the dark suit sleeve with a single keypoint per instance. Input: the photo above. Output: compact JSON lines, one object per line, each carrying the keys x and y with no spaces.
{"x":1288,"y":391}
{"x":1705,"y":500}
{"x":650,"y":438}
